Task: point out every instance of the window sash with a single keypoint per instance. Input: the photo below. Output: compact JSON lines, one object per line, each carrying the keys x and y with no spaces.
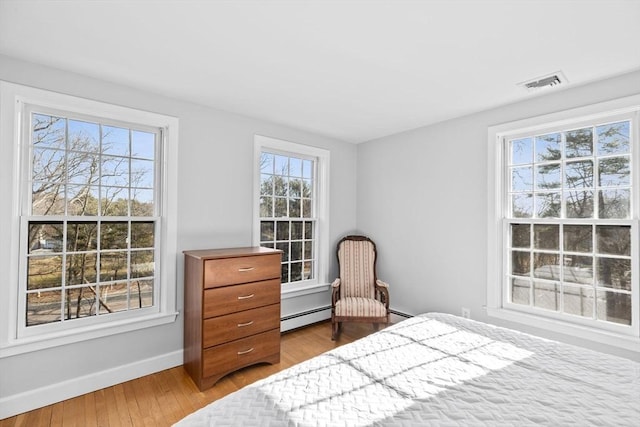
{"x":631,"y":221}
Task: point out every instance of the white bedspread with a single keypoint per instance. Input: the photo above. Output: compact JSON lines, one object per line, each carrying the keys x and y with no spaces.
{"x":442,"y":370}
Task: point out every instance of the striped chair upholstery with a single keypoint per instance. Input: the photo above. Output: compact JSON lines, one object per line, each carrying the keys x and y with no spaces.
{"x":358,"y":295}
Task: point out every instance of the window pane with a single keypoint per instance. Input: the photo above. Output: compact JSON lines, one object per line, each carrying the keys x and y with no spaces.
{"x":546,"y":236}
{"x":142,"y":202}
{"x":520,"y":291}
{"x":579,"y":204}
{"x":296,"y":272}
{"x":294,"y":208}
{"x":522,"y":179}
{"x":280,"y":186}
{"x":114,"y":297}
{"x":296,"y":230}
{"x":83,"y":168}
{"x":114,"y":201}
{"x":266,"y":207}
{"x":114,"y":235}
{"x":44,"y":307}
{"x":113,"y":266}
{"x":143,"y":145}
{"x":284,"y":247}
{"x":142,"y":234}
{"x":296,"y":251}
{"x":307,"y":169}
{"x":84,"y":136}
{"x":307,"y":211}
{"x":614,"y":171}
{"x":307,"y":270}
{"x":48,"y":165}
{"x":267,"y":231}
{"x":308,"y":249}
{"x":546,"y":295}
{"x":266,"y":185}
{"x":48,"y":131}
{"x":520,"y":235}
{"x":141,"y":293}
{"x":614,"y":307}
{"x":82,"y":236}
{"x":81,"y":268}
{"x":281,"y":164}
{"x":307,"y":187}
{"x":614,"y":203}
{"x":45,"y":237}
{"x":548,"y":176}
{"x":578,"y":269}
{"x":546,"y":266}
{"x":520,"y":263}
{"x":578,"y":238}
{"x":115,"y":171}
{"x":295,"y":188}
{"x":285,"y":273}
{"x":82,"y":200}
{"x":548,"y":205}
{"x":579,"y":143}
{"x":44,"y":272}
{"x":115,"y":141}
{"x":266,"y":163}
{"x":578,"y":300}
{"x":521,"y":151}
{"x":613,"y":138}
{"x":142,"y":173}
{"x":280,"y":208}
{"x":308,"y":230}
{"x":295,"y":167}
{"x":282,"y":230}
{"x":522,"y":205}
{"x":614,"y":273}
{"x":579,"y":174}
{"x":142,"y":264}
{"x":48,"y":198}
{"x":548,"y":147}
{"x":614,"y":239}
{"x":79,"y":303}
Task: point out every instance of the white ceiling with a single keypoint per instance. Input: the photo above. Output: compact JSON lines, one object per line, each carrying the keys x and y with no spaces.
{"x":353,"y":70}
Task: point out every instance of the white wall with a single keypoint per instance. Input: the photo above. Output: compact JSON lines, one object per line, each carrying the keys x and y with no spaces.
{"x":215,"y":210}
{"x":422,"y":196}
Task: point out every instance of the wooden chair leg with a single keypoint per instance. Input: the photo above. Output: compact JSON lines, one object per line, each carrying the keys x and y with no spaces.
{"x":334,"y":329}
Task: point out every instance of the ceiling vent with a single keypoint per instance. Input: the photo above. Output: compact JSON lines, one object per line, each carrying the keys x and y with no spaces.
{"x":544,"y":82}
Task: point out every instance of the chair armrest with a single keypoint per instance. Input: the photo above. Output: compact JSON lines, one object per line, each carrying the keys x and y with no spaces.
{"x":383,"y":289}
{"x":335,"y":291}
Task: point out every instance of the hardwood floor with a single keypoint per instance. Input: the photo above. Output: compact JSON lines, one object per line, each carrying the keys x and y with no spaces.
{"x":165,"y":397}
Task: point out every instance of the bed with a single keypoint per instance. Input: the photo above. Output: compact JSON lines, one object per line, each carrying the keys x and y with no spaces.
{"x":438,"y":369}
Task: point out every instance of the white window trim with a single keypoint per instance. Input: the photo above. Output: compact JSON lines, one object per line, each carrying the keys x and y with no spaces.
{"x":322,"y":208}
{"x":496,"y":306}
{"x":12,"y":99}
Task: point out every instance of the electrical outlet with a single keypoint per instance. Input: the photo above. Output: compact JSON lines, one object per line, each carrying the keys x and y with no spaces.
{"x":466,"y":313}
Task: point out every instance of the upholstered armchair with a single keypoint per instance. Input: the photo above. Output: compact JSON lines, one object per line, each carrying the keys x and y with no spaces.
{"x":357,"y":295}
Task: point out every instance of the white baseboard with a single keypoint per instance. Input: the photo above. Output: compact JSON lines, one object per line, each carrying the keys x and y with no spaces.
{"x":33,"y":399}
{"x":304,"y":319}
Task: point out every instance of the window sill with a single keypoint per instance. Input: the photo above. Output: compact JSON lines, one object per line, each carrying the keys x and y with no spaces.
{"x":609,"y":338}
{"x":43,"y":342}
{"x":306,"y":290}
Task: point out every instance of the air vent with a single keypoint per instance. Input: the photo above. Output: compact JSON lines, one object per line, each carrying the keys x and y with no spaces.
{"x":544,"y":82}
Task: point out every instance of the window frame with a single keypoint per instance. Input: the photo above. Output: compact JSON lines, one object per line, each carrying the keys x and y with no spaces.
{"x":321,"y":159}
{"x":498,"y":304}
{"x":15,"y":102}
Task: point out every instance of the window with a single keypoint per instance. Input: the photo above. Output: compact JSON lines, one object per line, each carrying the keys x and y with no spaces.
{"x":94,"y":218}
{"x":291,"y":208}
{"x":564,"y":230}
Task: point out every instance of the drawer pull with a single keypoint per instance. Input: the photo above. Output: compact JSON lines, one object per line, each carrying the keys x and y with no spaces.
{"x":246,"y":296}
{"x":245,"y":352}
{"x":243,"y":269}
{"x":240,"y":325}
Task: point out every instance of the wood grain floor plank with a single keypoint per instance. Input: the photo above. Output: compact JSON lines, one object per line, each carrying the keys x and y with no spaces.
{"x":165,"y":397}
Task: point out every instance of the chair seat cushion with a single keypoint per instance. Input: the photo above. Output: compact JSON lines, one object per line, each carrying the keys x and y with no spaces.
{"x":360,"y":307}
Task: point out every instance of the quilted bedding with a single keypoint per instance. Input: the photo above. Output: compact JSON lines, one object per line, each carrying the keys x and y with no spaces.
{"x":438,"y":369}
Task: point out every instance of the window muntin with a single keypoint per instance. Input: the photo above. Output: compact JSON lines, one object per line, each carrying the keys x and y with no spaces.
{"x":90,"y":220}
{"x":287,"y":212}
{"x":569,"y":223}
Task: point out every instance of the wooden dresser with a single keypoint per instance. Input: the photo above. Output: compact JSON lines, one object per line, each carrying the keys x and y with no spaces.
{"x":231,"y":311}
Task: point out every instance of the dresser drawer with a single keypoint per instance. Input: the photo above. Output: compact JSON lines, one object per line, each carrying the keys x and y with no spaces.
{"x":229,"y":299}
{"x":231,"y":271}
{"x":241,"y":324}
{"x":243,"y":352}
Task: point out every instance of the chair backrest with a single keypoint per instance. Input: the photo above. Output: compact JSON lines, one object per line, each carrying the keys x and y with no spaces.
{"x":357,"y":261}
